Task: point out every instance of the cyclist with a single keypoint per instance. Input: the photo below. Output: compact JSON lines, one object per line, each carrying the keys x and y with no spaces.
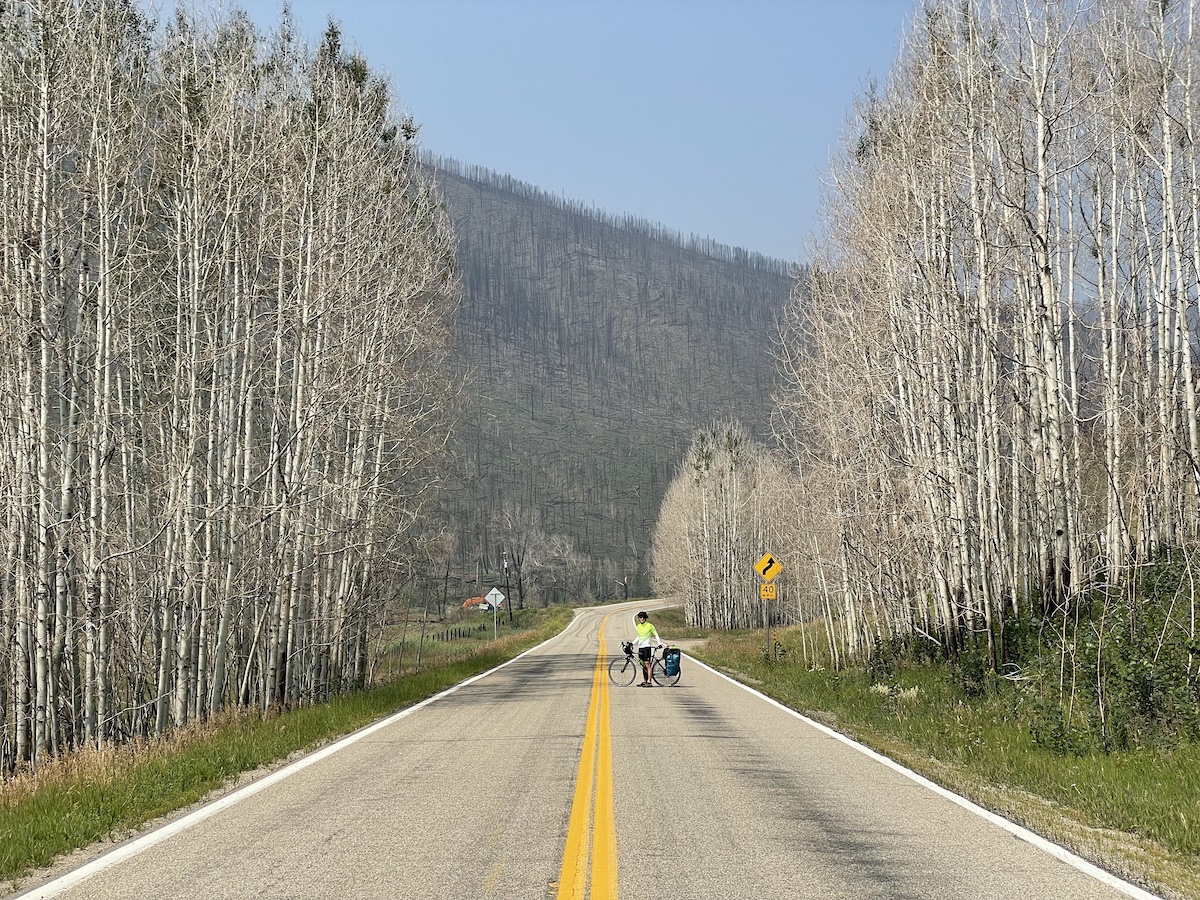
{"x":646,"y":634}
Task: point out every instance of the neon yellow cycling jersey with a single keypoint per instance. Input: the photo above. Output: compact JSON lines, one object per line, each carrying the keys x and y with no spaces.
{"x":647,"y":633}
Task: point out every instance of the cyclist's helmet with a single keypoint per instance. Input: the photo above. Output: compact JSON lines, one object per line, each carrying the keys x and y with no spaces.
{"x":643,"y":615}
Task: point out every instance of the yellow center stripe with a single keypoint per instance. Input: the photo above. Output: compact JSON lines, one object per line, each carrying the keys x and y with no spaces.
{"x":595,"y":769}
{"x":604,"y":840}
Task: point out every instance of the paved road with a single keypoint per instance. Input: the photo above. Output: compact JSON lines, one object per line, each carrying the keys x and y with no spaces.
{"x":715,"y":793}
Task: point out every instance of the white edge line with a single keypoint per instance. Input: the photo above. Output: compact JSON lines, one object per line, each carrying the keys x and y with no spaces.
{"x":146,"y":841}
{"x":1024,"y":834}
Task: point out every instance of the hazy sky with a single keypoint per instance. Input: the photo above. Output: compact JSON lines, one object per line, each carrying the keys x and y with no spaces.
{"x":709,"y":117}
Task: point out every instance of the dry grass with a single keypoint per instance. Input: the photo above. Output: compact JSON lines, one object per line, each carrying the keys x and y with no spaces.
{"x":101,"y":765}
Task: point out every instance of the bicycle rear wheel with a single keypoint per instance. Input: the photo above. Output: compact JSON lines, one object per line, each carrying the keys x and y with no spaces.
{"x":661,"y":677}
{"x":622,"y":671}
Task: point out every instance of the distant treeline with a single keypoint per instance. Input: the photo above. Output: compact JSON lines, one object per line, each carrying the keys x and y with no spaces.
{"x":643,"y":227}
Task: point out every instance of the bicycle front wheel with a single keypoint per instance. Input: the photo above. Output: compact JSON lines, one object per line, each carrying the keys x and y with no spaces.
{"x":622,"y":671}
{"x":661,"y":677}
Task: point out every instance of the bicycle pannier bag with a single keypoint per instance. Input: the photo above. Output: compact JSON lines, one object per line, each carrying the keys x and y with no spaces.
{"x":671,"y":661}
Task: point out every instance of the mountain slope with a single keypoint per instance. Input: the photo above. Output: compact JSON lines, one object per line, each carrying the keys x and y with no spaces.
{"x":598,"y":347}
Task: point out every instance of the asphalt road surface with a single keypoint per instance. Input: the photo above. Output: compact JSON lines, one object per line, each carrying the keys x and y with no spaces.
{"x":543,"y":780}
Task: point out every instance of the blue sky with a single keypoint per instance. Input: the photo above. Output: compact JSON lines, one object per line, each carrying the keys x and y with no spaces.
{"x":711,"y":117}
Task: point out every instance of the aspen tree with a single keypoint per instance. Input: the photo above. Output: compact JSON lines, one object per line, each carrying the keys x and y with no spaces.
{"x":708,"y":535}
{"x":1004,"y":294}
{"x":235,"y":389}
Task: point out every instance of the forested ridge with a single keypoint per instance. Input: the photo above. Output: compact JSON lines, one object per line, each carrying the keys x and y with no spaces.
{"x":597,"y":345}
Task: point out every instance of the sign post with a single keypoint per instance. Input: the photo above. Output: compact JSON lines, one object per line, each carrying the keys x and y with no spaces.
{"x":767,"y":568}
{"x":495,"y":598}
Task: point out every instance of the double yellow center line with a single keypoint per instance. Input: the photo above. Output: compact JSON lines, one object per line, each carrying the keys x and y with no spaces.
{"x":595,"y":771}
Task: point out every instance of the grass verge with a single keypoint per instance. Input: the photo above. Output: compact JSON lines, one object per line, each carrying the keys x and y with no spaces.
{"x":1134,"y":813}
{"x":110,"y":793}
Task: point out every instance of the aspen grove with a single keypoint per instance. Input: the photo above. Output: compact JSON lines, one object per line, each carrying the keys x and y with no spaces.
{"x":226,"y":291}
{"x":988,"y":398}
{"x":990,"y":375}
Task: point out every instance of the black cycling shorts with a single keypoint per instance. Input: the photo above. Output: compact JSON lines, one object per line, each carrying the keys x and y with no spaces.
{"x":644,"y":653}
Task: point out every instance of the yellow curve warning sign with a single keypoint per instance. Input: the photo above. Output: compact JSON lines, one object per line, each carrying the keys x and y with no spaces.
{"x":768,"y":567}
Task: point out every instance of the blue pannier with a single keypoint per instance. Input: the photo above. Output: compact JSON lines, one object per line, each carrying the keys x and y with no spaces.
{"x":671,"y":660}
